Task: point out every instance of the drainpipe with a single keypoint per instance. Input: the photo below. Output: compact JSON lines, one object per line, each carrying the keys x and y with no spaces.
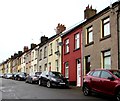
{"x":118,"y":32}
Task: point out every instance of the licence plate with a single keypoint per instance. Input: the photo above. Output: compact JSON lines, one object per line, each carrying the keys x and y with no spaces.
{"x":62,"y":83}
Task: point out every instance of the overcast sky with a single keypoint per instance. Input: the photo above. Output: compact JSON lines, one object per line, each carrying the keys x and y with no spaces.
{"x":23,"y":22}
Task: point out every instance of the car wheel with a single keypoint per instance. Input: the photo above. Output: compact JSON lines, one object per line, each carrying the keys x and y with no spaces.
{"x":18,"y":79}
{"x":86,"y":90}
{"x":39,"y":82}
{"x":48,"y":84}
{"x":118,"y":96}
{"x":26,"y":81}
{"x":31,"y":81}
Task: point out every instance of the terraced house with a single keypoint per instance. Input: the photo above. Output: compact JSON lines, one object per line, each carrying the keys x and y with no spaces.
{"x":32,"y":59}
{"x":23,"y":59}
{"x":1,"y":68}
{"x":42,"y":58}
{"x":101,"y":39}
{"x":55,"y":49}
{"x":71,"y":55}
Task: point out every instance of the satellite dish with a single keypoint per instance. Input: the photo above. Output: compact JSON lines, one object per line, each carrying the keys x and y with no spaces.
{"x":60,"y":43}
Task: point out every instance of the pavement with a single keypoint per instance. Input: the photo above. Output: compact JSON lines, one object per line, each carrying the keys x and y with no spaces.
{"x":76,"y":88}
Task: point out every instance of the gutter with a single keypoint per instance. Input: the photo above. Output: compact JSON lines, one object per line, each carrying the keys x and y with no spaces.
{"x":118,"y":32}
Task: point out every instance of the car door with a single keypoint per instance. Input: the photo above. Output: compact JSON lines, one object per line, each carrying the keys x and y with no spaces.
{"x":107,"y":85}
{"x":94,"y":80}
{"x":44,"y":77}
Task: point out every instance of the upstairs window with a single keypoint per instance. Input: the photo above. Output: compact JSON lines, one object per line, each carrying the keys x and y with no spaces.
{"x":41,"y":54}
{"x":57,"y":45}
{"x":51,"y":50}
{"x":89,"y":35}
{"x":67,"y":46}
{"x":32,"y":55}
{"x":45,"y":52}
{"x":105,"y":27}
{"x":77,"y":41}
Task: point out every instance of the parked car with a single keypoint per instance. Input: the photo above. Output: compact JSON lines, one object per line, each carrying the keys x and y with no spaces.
{"x":21,"y":76}
{"x":8,"y":76}
{"x":102,"y":81}
{"x":1,"y":75}
{"x":33,"y":78}
{"x":53,"y":78}
{"x":14,"y":76}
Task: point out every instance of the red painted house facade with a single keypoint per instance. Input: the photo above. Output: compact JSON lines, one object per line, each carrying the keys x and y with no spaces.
{"x":71,"y":56}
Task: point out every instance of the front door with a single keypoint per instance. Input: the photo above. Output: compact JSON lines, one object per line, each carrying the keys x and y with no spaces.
{"x":78,"y":72}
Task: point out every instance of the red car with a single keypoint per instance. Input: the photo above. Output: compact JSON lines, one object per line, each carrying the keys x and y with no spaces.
{"x":102,"y":81}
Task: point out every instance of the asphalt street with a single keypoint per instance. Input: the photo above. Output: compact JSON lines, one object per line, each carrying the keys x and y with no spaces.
{"x":11,"y":89}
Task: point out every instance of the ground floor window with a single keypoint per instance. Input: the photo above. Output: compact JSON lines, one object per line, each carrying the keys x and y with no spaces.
{"x":87,"y":64}
{"x":45,"y":67}
{"x":49,"y":66}
{"x":40,"y":68}
{"x":106,"y":59}
{"x":57,"y":67}
{"x":67,"y":70}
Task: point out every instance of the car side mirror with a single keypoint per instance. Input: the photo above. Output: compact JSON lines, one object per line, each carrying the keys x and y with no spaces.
{"x":111,"y":78}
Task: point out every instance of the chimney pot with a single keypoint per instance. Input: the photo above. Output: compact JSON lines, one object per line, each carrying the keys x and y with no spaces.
{"x":89,"y":12}
{"x":25,"y":48}
{"x":60,"y":28}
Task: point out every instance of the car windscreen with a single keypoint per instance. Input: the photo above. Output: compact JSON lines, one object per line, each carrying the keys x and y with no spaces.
{"x":9,"y":74}
{"x":37,"y":73}
{"x":116,"y":73}
{"x":23,"y":74}
{"x":56,"y":74}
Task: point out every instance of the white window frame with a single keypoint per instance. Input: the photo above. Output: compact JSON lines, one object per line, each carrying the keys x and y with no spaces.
{"x":67,"y":46}
{"x":106,"y":27}
{"x":77,"y":41}
{"x":89,"y":38}
{"x":106,"y":59}
{"x":66,"y":69}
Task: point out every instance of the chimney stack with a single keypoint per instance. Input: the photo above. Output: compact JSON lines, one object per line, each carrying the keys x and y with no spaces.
{"x":89,"y":12}
{"x":12,"y":56}
{"x":33,"y":45}
{"x":60,"y":28}
{"x":15,"y":55}
{"x":25,"y":48}
{"x":19,"y":53}
{"x":43,"y":39}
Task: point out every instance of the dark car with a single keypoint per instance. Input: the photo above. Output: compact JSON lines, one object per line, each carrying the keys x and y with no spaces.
{"x":33,"y":78}
{"x":21,"y":76}
{"x":53,"y":78}
{"x":14,"y":76}
{"x":102,"y":81}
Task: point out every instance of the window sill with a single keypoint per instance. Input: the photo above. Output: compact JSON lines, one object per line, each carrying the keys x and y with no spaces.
{"x":91,"y":43}
{"x":106,"y":37}
{"x":50,"y":54}
{"x":45,"y":57}
{"x":66,"y":53}
{"x":76,"y":49}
